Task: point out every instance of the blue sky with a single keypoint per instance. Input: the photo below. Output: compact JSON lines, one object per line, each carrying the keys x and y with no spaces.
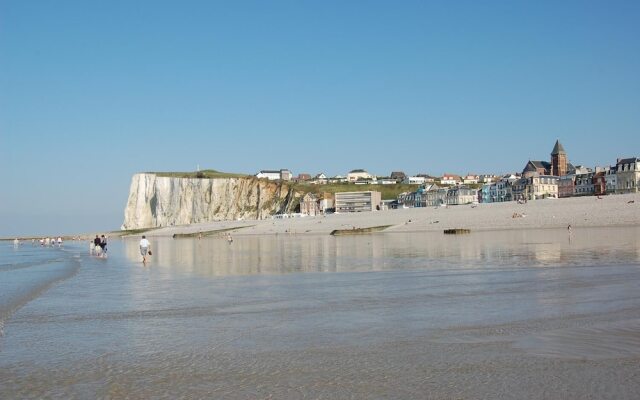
{"x":92,"y":92}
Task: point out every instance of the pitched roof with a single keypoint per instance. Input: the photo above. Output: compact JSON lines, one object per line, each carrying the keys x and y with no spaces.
{"x":535,"y":165}
{"x":451,"y":176}
{"x":628,"y":160}
{"x":557,"y":149}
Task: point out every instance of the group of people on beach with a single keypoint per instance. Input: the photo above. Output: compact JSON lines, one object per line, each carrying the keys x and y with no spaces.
{"x":43,"y":242}
{"x":98,"y":246}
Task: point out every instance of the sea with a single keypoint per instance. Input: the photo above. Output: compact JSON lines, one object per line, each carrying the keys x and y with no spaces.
{"x":523,"y":314}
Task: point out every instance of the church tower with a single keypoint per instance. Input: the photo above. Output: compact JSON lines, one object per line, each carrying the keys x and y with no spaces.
{"x":558,"y":160}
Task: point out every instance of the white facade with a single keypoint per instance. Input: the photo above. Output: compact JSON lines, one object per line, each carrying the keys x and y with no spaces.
{"x":414,"y":180}
{"x":358,"y":174}
{"x":470,"y":179}
{"x":283,"y":174}
{"x":628,"y":175}
{"x":611,"y":179}
{"x":357,"y":201}
{"x":450,"y":179}
{"x":271,"y":175}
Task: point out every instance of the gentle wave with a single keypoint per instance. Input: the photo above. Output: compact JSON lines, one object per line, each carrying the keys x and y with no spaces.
{"x":607,"y":341}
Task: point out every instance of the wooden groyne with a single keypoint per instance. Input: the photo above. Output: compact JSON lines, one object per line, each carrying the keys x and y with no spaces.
{"x":457,"y":231}
{"x":358,"y":231}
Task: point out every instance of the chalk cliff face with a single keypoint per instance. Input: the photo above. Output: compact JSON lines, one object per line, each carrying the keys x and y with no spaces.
{"x":156,"y":201}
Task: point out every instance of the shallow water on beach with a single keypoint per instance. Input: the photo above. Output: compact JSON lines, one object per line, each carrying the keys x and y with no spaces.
{"x":510,"y":314}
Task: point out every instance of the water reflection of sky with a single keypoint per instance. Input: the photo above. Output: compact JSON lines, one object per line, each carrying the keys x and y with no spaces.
{"x":205,"y":315}
{"x":281,"y":254}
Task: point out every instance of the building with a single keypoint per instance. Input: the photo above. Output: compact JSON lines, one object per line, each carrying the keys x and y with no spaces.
{"x":536,"y":168}
{"x":269,"y":174}
{"x":487,"y":178}
{"x":320,"y":179}
{"x":584,"y":184}
{"x":611,"y":179}
{"x":566,"y":186}
{"x":427,"y":178}
{"x":434,"y":196}
{"x":450,"y":179}
{"x":357,"y":201}
{"x":599,"y":183}
{"x":398,"y":176}
{"x":309,"y":205}
{"x":559,"y":162}
{"x":559,"y":165}
{"x":498,"y":191}
{"x":359,"y":175}
{"x":272,"y":175}
{"x":414,"y":180}
{"x":285,"y":175}
{"x":326,"y":203}
{"x":503,"y":188}
{"x":535,"y":187}
{"x":470,"y":179}
{"x":461,"y":195}
{"x":628,"y":175}
{"x":437,"y":197}
{"x":302,"y":177}
{"x":338,"y":179}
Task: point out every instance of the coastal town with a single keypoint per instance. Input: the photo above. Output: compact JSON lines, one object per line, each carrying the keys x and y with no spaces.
{"x":539,"y":179}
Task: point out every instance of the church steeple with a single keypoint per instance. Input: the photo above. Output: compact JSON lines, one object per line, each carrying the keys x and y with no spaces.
{"x":558,"y":149}
{"x":558,"y":160}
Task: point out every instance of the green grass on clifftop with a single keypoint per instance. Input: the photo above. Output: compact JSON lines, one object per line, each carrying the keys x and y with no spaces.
{"x":204,"y":174}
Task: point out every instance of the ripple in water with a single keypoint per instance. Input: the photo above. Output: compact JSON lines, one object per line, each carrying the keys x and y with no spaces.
{"x":616,"y":340}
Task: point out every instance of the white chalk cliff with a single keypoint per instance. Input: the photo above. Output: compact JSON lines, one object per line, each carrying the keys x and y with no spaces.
{"x":156,"y":201}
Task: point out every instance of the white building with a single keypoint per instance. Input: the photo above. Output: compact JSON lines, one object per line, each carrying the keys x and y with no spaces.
{"x":414,"y":180}
{"x":611,"y":179}
{"x":283,"y":174}
{"x":470,"y":179}
{"x":357,"y":201}
{"x":628,"y":175}
{"x":450,"y":179}
{"x":359,"y":174}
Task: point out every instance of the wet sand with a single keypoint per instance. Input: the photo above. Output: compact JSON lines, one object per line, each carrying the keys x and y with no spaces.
{"x":529,"y":314}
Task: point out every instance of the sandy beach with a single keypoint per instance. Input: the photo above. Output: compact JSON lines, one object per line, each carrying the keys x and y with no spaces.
{"x":591,"y":211}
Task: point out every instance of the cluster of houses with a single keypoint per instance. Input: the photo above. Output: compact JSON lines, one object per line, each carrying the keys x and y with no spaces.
{"x":362,"y":177}
{"x":538,"y":180}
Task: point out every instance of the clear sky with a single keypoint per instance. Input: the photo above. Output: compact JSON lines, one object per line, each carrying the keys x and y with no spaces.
{"x":92,"y":92}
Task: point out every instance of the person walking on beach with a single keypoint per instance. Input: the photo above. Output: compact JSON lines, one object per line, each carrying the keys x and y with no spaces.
{"x":103,"y":245}
{"x":145,"y":248}
{"x":96,"y":246}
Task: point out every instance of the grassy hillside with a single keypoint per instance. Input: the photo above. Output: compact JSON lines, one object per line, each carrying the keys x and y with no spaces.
{"x":388,"y":192}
